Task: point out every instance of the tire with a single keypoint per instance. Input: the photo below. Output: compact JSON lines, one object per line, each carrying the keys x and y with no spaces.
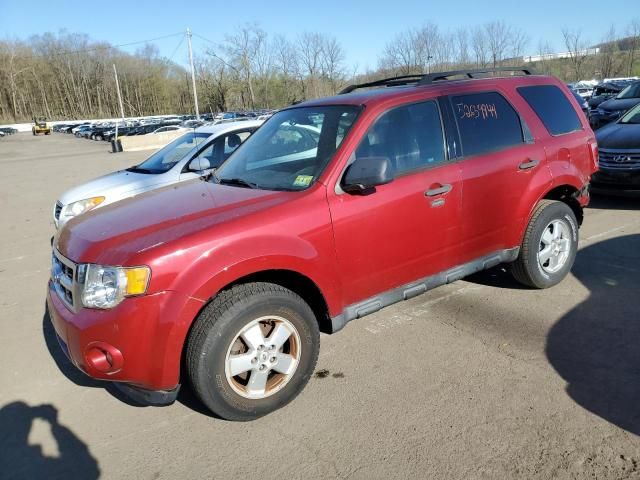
{"x":226,"y":330}
{"x":549,"y":247}
{"x":98,"y":137}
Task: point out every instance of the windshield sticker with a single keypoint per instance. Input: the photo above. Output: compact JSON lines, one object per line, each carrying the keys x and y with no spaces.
{"x":302,"y":180}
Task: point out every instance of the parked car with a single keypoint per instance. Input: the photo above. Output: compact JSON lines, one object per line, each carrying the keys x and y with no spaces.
{"x":619,"y":149}
{"x":189,"y":156}
{"x":612,"y":109}
{"x":79,"y":131}
{"x":224,"y":282}
{"x":192,"y":123}
{"x":601,"y":93}
{"x":584,"y":105}
{"x":169,"y":128}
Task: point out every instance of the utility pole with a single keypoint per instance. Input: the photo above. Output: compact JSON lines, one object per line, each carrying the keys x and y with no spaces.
{"x":193,"y":74}
{"x":115,"y":72}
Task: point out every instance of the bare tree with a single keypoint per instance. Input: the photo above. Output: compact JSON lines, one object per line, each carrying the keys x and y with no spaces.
{"x":577,"y":50}
{"x":310,"y":46}
{"x":332,"y":61}
{"x":480,"y":47}
{"x":607,"y":63}
{"x":498,"y":38}
{"x":400,"y":54}
{"x":633,"y":32}
{"x":462,"y":46}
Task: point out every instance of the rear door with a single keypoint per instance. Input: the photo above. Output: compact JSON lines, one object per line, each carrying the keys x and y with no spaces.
{"x":409,"y":228}
{"x":569,"y":136}
{"x":500,"y":164}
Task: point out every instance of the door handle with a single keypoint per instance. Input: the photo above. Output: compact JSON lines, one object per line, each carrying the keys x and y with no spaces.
{"x":530,"y":163}
{"x":441,"y":190}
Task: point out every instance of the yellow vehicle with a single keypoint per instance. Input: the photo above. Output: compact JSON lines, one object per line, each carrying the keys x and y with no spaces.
{"x":40,"y":126}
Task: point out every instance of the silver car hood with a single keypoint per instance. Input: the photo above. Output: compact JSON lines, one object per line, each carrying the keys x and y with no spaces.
{"x":116,"y":186}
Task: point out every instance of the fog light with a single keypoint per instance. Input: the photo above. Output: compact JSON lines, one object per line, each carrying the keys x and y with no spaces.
{"x":104,"y":357}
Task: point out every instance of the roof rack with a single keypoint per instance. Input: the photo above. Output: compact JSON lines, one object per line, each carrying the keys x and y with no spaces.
{"x":426,"y":79}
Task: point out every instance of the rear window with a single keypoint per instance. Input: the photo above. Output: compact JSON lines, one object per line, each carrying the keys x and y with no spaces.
{"x":486,"y":122}
{"x":552,"y":107}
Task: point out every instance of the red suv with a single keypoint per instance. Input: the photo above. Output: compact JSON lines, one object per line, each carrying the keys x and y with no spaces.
{"x":332,"y":210}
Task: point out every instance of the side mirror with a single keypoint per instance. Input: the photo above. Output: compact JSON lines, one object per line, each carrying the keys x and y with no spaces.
{"x":366,"y":173}
{"x":198,"y":165}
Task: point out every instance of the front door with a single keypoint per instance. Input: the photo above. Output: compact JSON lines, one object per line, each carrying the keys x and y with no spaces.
{"x":409,"y":228}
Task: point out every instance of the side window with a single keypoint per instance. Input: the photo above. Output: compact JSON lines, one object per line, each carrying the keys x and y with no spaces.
{"x":552,"y":107}
{"x":486,"y":122}
{"x":233,"y":141}
{"x":218,"y":151}
{"x":409,"y":136}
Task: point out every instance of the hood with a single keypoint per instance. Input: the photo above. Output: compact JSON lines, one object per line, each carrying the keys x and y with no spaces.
{"x":113,"y":186}
{"x":622,"y":136}
{"x":614,"y":104}
{"x":111,"y":235}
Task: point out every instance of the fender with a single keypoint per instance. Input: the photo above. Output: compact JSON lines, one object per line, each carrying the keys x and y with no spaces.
{"x":540,"y":183}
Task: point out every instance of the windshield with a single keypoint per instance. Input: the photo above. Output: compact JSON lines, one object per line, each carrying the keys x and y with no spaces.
{"x":632,"y":116}
{"x":291,"y":150}
{"x":632,"y":91}
{"x":164,"y":159}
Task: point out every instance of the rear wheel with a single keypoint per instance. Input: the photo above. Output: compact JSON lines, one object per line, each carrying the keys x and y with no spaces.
{"x":252,"y":350}
{"x":549,"y":247}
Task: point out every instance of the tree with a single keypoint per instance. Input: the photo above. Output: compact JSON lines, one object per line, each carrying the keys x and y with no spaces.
{"x":633,"y":31}
{"x":577,"y":50}
{"x":607,"y":54}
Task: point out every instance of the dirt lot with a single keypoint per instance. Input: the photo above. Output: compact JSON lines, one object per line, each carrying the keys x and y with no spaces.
{"x":477,"y":379}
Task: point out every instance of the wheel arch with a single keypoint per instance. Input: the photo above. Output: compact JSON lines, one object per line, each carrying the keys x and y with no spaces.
{"x":567,"y":194}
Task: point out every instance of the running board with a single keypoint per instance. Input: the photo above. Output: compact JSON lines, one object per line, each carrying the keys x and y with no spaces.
{"x":413,"y":289}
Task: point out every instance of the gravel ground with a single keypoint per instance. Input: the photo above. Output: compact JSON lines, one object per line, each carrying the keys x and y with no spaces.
{"x":477,"y":379}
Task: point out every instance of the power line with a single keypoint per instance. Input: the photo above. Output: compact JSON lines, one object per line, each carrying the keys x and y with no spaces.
{"x":106,"y":47}
{"x":177,"y":48}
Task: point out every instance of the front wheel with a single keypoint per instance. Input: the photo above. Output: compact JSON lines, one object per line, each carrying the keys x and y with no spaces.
{"x":252,"y":350}
{"x":549,"y":247}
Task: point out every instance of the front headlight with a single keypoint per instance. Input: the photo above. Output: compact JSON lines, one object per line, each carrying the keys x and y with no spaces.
{"x":81,"y":206}
{"x":106,"y":287}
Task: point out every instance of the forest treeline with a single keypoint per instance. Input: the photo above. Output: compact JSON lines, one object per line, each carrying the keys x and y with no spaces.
{"x":69,"y":75}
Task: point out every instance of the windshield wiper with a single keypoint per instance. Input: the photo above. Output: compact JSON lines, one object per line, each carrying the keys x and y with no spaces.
{"x":136,"y":169}
{"x":236,"y":181}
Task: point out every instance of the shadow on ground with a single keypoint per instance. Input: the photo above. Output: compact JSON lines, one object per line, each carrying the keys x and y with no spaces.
{"x":595,"y":347}
{"x":20,"y":459}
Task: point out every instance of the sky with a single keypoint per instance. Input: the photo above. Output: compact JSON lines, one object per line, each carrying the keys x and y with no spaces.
{"x":362,"y":27}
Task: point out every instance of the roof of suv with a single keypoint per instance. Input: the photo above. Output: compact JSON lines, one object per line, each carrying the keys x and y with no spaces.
{"x":378,"y":95}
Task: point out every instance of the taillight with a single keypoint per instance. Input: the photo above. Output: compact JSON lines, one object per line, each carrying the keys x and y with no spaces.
{"x":593,"y":150}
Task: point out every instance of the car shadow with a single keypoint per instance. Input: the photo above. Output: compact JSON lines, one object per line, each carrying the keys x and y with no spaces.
{"x":612,"y":202}
{"x":21,"y":459}
{"x":497,"y":277}
{"x":594,"y":347}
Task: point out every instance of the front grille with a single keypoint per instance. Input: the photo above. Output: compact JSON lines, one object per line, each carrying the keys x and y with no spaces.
{"x":619,"y":160}
{"x":62,"y":275}
{"x":56,"y":211}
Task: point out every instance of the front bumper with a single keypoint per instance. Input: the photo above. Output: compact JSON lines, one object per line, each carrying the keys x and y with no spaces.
{"x":616,"y":182}
{"x":139,"y":342}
